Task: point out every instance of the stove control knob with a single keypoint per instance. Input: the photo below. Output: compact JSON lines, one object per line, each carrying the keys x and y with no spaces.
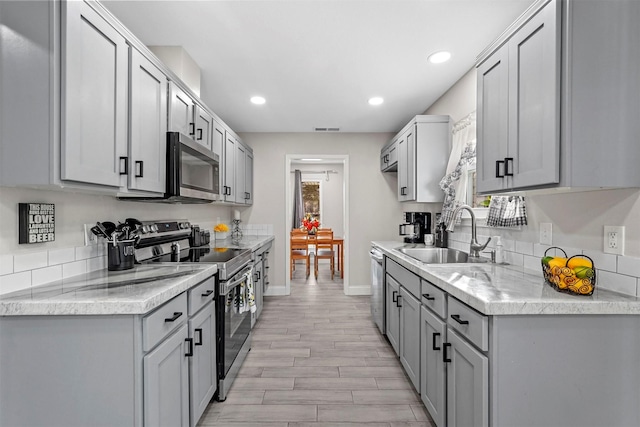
{"x":153,"y":228}
{"x":145,"y":229}
{"x":184,"y":225}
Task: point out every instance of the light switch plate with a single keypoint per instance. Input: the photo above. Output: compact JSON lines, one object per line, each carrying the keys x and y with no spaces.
{"x":614,"y":239}
{"x":546,"y":233}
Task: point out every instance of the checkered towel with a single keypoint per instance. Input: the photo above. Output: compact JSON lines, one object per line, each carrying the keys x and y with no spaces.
{"x":507,"y":211}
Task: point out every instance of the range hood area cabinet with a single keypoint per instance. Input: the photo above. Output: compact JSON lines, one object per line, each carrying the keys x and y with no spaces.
{"x":558,"y":102}
{"x":421,"y":148}
{"x":188,"y":117}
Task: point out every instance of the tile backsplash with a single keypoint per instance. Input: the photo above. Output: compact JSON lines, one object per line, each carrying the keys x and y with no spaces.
{"x":614,"y":272}
{"x":18,"y":272}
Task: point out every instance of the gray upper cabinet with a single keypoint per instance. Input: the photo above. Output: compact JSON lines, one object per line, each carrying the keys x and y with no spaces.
{"x":240,"y":169}
{"x":229,"y":187}
{"x":389,"y":157}
{"x":94,"y":98}
{"x":148,"y":112}
{"x":420,"y":146}
{"x":248,"y":181}
{"x":181,"y":118}
{"x":204,"y":126}
{"x":549,"y":115}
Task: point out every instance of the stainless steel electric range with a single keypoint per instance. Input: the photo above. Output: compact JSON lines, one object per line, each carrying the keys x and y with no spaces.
{"x":180,"y":241}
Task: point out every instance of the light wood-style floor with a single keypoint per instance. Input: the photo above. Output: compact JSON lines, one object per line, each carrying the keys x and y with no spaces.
{"x":318,"y":360}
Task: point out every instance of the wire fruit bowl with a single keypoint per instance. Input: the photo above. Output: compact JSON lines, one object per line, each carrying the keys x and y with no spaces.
{"x":574,"y":275}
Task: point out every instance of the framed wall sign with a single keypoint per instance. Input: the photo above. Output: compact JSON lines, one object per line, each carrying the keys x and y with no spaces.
{"x":36,"y":222}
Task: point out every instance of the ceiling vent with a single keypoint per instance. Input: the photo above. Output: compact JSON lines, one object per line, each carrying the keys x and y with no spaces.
{"x":327,"y":129}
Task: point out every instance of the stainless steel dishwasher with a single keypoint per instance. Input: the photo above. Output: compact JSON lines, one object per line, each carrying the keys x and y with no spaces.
{"x":377,"y":288}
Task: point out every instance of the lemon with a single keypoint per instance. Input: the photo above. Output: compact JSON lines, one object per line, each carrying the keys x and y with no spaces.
{"x":579,"y":262}
{"x":558,"y":262}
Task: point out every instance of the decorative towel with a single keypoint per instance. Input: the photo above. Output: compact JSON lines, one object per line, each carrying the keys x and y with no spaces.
{"x":507,"y":211}
{"x":244,"y":300}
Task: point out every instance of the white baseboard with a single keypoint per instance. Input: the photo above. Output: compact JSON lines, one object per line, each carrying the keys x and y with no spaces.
{"x":359,"y":290}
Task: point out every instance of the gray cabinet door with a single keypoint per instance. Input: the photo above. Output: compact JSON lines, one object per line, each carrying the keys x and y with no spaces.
{"x":492,"y":121}
{"x":229,"y":188}
{"x":393,"y":313}
{"x":410,"y":165}
{"x":403,"y":154}
{"x":94,"y":123}
{"x":181,"y":108}
{"x":467,"y":384}
{"x":433,"y":371}
{"x":258,"y":288}
{"x":204,"y":127}
{"x":410,"y":336}
{"x":248,"y":180}
{"x":148,"y":112}
{"x":534,"y":101}
{"x":240,"y":168}
{"x":203,"y":377}
{"x":166,"y":383}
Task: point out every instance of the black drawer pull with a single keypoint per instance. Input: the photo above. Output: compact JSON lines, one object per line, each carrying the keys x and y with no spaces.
{"x":456,"y":317}
{"x":206,"y":294}
{"x":428,"y":297}
{"x":498,"y":162}
{"x":434,"y":346}
{"x":190,"y":352}
{"x":199,"y":332}
{"x":398,"y":301}
{"x":176,"y":314}
{"x":445,"y":359}
{"x":394,"y":297}
{"x":506,"y":166}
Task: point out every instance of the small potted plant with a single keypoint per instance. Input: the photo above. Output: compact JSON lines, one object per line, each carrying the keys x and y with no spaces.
{"x":222,"y":231}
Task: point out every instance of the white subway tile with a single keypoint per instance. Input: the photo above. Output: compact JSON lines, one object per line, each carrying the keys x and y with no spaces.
{"x":514,"y":258}
{"x":98,"y":263}
{"x":46,"y":275}
{"x":603,"y":261}
{"x":83,"y":252}
{"x":629,"y":266}
{"x":6,"y":264}
{"x":102,"y":249}
{"x":15,"y":282}
{"x":509,"y":245}
{"x":30,"y":261}
{"x":61,"y":256}
{"x":539,"y":249}
{"x":617,"y":282}
{"x":74,"y":268}
{"x":532,"y":263}
{"x":525,"y":248}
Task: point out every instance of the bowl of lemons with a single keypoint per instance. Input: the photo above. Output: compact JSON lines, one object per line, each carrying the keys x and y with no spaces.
{"x":574,"y":275}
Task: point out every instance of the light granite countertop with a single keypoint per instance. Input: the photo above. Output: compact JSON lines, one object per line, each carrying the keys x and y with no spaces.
{"x":495,"y":289}
{"x":103,"y":292}
{"x":248,"y":242}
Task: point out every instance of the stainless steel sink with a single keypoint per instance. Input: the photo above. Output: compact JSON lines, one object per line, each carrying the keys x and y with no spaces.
{"x":440,"y":255}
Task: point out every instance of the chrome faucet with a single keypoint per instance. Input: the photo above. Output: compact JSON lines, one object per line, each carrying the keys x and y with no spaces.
{"x":474,"y":246}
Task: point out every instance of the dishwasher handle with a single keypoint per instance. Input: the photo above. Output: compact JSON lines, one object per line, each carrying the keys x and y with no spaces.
{"x":225,"y":287}
{"x":376,"y":255}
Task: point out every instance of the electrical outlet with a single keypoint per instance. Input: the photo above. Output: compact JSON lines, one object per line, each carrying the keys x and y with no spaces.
{"x":546,"y":233}
{"x":614,"y":239}
{"x":89,"y":237}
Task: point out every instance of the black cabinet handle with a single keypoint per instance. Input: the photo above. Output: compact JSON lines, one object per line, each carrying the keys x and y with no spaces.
{"x":206,"y":294}
{"x":445,"y":359}
{"x":257,"y":272}
{"x":506,"y":166}
{"x":394,"y":296}
{"x":139,"y":168}
{"x":199,"y":332}
{"x":498,"y":163}
{"x":192,"y":132}
{"x":176,"y":314}
{"x":199,"y":138}
{"x":246,"y":196}
{"x":402,"y":191}
{"x":456,"y":317}
{"x":398,"y":302}
{"x":428,"y":297}
{"x":124,"y":170}
{"x":190,"y":352}
{"x":434,"y":346}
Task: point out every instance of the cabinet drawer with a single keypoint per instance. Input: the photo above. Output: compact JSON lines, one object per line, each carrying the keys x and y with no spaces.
{"x":201,"y":294}
{"x":434,"y":298}
{"x":469,"y":323}
{"x":159,"y":324}
{"x":407,"y":279}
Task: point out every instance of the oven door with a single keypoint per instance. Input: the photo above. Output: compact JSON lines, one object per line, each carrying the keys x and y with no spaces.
{"x":193,"y":171}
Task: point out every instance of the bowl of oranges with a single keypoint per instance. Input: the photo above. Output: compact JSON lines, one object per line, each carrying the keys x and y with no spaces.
{"x":574,"y":275}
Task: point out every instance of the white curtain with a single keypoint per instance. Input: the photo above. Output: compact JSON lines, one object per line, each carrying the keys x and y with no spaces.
{"x":462,"y":160}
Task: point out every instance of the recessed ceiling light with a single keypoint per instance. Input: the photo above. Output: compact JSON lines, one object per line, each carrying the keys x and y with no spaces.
{"x":258,"y":100}
{"x":376,"y":100}
{"x":311,"y":160}
{"x":439,"y":57}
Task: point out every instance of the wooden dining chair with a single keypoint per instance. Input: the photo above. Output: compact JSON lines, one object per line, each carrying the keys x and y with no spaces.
{"x":324,"y":250}
{"x":299,"y":250}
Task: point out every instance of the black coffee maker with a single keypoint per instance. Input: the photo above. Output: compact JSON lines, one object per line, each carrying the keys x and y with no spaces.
{"x":416,"y":225}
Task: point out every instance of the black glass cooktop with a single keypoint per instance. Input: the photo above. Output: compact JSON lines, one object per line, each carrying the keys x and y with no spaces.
{"x":201,"y":254}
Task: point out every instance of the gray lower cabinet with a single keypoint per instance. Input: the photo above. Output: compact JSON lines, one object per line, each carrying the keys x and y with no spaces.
{"x":257,"y":288}
{"x":166,"y":382}
{"x":393,"y":313}
{"x":410,"y":336}
{"x":467,"y":383}
{"x":202,"y":365}
{"x":433,"y":371}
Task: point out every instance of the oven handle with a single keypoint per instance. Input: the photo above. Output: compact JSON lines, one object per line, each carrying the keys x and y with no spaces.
{"x":225,"y":287}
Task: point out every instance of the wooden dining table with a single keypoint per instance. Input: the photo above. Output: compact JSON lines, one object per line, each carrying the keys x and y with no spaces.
{"x":338,"y":242}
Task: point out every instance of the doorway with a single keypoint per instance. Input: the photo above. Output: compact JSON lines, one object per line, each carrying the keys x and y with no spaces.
{"x":333,"y":172}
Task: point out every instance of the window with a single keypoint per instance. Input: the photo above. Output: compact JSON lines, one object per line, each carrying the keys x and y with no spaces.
{"x":311,"y":198}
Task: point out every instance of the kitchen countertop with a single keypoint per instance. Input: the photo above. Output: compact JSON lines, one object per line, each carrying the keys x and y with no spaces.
{"x":249,"y":242}
{"x":135,"y":291}
{"x":495,"y":289}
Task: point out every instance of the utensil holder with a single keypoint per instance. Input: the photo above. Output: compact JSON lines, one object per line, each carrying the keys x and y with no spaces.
{"x":577,"y":280}
{"x":120,"y":255}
